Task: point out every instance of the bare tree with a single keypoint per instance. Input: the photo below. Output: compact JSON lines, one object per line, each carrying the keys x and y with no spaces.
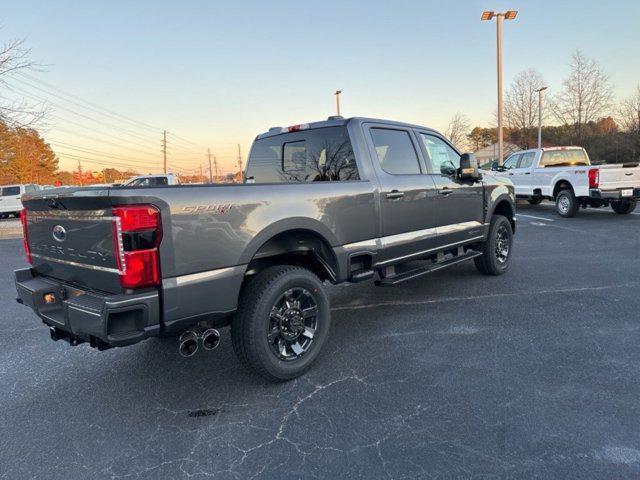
{"x":586,"y":93}
{"x":521,"y":103}
{"x":15,"y":57}
{"x":458,"y":130}
{"x":629,"y":113}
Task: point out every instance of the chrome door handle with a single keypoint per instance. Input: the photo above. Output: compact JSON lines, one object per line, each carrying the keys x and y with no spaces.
{"x":527,"y":173}
{"x":395,"y":195}
{"x":445,"y":191}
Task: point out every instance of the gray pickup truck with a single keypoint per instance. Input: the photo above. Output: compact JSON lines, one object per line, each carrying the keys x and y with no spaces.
{"x":342,"y":200}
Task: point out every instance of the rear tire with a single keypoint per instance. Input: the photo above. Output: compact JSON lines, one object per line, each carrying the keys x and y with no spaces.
{"x":566,"y":204}
{"x":282,"y":322}
{"x":497,"y":249}
{"x":624,"y":207}
{"x":534,"y":201}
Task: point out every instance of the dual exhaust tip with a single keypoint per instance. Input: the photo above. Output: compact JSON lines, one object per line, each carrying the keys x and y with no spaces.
{"x":189,"y":341}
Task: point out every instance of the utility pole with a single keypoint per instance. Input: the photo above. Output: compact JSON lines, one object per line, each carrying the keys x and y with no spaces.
{"x":80,"y":172}
{"x":337,"y":94}
{"x":201,"y":176}
{"x":509,"y":15}
{"x":240,"y":162}
{"x":164,"y":151}
{"x":210,"y":171}
{"x":540,"y":90}
{"x":215,"y":165}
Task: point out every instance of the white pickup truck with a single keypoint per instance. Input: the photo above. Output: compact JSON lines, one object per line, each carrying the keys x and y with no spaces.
{"x":566,"y":176}
{"x":157,"y":180}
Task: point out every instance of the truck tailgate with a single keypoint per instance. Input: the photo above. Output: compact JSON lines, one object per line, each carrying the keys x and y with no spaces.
{"x":619,"y":176}
{"x":74,"y":244}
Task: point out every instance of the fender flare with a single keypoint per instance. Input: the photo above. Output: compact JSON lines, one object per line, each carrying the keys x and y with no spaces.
{"x":287,"y":225}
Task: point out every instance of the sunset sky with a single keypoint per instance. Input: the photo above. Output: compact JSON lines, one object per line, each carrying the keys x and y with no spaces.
{"x":217,"y":73}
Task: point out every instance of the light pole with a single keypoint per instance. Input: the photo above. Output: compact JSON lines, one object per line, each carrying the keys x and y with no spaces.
{"x":508,"y":15}
{"x":337,"y":94}
{"x":539,"y":91}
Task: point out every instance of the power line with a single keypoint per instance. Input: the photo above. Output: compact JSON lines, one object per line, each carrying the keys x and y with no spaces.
{"x":101,"y":153}
{"x":181,"y":142}
{"x":100,"y":109}
{"x":81,"y":102}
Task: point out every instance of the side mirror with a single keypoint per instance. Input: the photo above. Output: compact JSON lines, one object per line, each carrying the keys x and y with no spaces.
{"x":469,"y":167}
{"x":448,"y":169}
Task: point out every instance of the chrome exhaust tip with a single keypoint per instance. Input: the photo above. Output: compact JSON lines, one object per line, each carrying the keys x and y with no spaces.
{"x":210,"y":339}
{"x":188,"y":343}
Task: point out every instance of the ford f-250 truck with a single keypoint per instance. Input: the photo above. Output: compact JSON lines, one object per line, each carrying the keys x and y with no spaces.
{"x":342,"y":200}
{"x":565,"y":175}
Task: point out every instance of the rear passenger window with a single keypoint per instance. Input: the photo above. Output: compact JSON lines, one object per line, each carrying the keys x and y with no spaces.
{"x":395,"y":151}
{"x":10,"y":191}
{"x":315,"y":155}
{"x":527,"y":160}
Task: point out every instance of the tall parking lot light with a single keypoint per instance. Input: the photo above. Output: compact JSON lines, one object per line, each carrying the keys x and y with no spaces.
{"x":539,"y":91}
{"x":508,"y":15}
{"x":337,"y":94}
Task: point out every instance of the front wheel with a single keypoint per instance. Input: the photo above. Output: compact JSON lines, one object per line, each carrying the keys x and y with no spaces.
{"x":283,"y":320}
{"x":567,"y":204}
{"x":497,"y":249}
{"x":625,"y":207}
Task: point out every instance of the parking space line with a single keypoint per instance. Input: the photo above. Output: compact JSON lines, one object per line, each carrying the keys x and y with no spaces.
{"x":483,"y":297}
{"x":532,"y":216}
{"x":609,"y":212}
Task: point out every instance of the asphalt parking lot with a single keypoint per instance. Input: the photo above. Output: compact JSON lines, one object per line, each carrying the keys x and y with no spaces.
{"x":534,"y":374}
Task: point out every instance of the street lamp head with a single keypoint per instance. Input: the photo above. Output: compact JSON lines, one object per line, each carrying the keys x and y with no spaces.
{"x":487,"y":15}
{"x":510,"y":15}
{"x":338,"y":92}
{"x":541,"y":89}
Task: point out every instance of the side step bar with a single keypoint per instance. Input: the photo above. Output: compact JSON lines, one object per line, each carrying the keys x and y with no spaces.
{"x":417,"y":272}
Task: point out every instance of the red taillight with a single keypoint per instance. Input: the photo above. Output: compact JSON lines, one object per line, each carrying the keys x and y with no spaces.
{"x":141,"y":269}
{"x":137,"y":236}
{"x":25,"y":239}
{"x":594,"y":178}
{"x":137,"y":217}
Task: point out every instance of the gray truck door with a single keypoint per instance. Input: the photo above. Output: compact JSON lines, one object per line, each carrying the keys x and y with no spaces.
{"x":407,"y":194}
{"x":459,"y":204}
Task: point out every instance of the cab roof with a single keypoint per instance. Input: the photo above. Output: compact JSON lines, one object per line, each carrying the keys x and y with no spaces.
{"x":335,"y":121}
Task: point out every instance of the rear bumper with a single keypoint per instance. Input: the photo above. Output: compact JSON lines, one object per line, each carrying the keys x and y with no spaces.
{"x":76,"y":315}
{"x":615,"y":194}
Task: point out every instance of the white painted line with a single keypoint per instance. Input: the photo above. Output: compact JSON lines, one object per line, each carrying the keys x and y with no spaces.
{"x":529,"y":294}
{"x":537,"y":218}
{"x":604,"y":210}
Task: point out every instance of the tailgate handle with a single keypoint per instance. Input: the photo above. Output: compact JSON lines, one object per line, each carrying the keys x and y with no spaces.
{"x":395,"y":195}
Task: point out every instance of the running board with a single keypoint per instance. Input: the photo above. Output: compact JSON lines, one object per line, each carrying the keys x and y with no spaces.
{"x":417,"y":272}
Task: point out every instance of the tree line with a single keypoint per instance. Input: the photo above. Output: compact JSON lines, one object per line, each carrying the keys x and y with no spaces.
{"x":581,"y":112}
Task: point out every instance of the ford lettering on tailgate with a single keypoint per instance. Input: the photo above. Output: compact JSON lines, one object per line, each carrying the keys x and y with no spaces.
{"x":85,"y":241}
